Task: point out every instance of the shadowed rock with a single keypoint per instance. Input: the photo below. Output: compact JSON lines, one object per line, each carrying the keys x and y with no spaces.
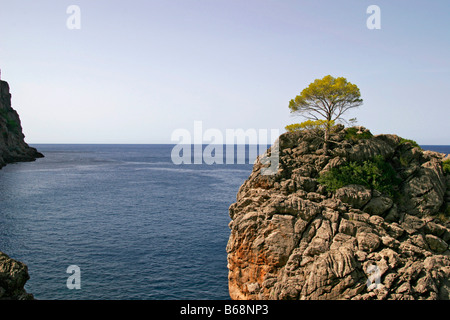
{"x":13,"y":147}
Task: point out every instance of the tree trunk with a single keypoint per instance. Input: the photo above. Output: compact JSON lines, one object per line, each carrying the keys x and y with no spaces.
{"x":325,"y":143}
{"x":326,"y":137}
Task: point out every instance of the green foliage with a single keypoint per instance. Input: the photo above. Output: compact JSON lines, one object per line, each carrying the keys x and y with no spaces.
{"x":375,"y":174}
{"x":446,"y":166}
{"x":352,"y":134}
{"x":293,"y":127}
{"x":411,"y":142}
{"x":319,"y":125}
{"x":353,"y":121}
{"x":327,"y":98}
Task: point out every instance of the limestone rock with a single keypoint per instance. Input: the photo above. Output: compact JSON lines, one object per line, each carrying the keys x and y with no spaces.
{"x":355,"y":195}
{"x":292,"y":239}
{"x":379,"y":205}
{"x":13,"y":276}
{"x":436,"y":244}
{"x":426,"y":190}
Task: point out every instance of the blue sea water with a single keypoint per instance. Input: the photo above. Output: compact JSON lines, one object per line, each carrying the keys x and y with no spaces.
{"x":137,"y":225}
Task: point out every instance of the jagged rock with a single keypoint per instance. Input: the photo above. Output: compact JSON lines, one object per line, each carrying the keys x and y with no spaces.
{"x":436,"y":244}
{"x":368,"y":241}
{"x":354,"y":195}
{"x":379,"y":205}
{"x":425,"y":190}
{"x":13,"y":276}
{"x":412,"y":224}
{"x":365,"y":149}
{"x":292,"y":239}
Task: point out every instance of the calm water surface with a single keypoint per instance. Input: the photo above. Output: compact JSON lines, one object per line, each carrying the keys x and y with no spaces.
{"x":138,"y":226}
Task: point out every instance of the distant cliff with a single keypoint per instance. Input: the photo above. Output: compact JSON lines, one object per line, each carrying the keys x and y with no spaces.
{"x":298,"y":234}
{"x":13,"y":147}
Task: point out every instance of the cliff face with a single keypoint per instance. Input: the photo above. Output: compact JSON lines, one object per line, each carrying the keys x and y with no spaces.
{"x":291,"y":238}
{"x":12,"y":144}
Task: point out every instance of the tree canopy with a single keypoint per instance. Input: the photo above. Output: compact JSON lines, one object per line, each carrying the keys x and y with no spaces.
{"x":327,"y":99}
{"x":310,"y":125}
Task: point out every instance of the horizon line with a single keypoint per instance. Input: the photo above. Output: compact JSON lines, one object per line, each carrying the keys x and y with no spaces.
{"x":164,"y":143}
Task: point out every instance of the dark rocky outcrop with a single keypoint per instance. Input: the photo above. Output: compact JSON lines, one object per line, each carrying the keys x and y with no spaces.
{"x":291,"y":238}
{"x":13,"y":147}
{"x":13,"y":276}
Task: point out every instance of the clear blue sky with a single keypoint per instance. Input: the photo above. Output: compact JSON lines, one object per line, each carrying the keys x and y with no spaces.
{"x":138,"y":70}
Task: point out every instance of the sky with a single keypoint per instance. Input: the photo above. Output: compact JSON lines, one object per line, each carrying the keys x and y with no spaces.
{"x":135,"y":71}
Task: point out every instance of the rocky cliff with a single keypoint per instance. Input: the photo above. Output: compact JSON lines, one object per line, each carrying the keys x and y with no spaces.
{"x":13,"y":276}
{"x":13,"y":147}
{"x":292,"y":237}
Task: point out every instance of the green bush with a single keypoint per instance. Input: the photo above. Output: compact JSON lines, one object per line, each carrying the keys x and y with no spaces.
{"x":293,"y":127}
{"x":411,"y":142}
{"x":446,"y":166}
{"x":320,"y":125}
{"x":352,"y":134}
{"x":375,"y":174}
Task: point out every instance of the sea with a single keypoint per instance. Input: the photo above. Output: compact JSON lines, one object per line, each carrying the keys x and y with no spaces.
{"x":121,"y":222}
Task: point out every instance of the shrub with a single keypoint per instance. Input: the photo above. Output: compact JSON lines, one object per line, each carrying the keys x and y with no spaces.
{"x":375,"y":174}
{"x":293,"y":127}
{"x":411,"y":142}
{"x":446,"y":166}
{"x":352,"y":134}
